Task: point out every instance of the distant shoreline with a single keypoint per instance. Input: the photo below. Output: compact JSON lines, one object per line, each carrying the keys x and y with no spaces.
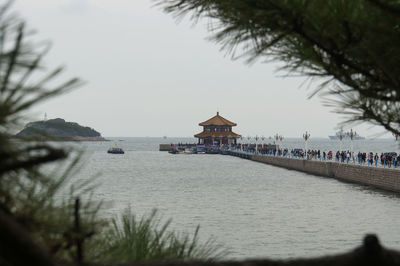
{"x":78,"y":138}
{"x":60,"y":139}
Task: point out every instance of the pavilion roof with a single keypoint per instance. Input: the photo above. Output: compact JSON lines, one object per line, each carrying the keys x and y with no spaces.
{"x":205,"y":134}
{"x":217,"y":120}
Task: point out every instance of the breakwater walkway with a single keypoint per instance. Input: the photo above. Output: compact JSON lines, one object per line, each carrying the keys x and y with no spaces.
{"x":382,"y":178}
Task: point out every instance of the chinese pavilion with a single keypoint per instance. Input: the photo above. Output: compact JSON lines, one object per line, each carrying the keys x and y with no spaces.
{"x":217,"y":131}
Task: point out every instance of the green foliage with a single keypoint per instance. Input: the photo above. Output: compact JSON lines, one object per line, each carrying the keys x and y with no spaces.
{"x":40,"y":222}
{"x":27,"y":192}
{"x":145,"y":239}
{"x":37,"y":201}
{"x":353,"y":46}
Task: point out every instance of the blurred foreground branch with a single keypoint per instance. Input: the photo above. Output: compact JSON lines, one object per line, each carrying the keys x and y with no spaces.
{"x":40,"y":222}
{"x":353,"y":47}
{"x":16,"y":246}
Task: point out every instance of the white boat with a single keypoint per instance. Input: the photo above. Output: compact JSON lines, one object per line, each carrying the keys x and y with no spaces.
{"x":181,"y":151}
{"x":189,"y":151}
{"x":346,"y":135}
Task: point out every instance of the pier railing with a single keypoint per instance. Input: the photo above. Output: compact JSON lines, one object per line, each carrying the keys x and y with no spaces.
{"x":394,"y":163}
{"x":245,"y":151}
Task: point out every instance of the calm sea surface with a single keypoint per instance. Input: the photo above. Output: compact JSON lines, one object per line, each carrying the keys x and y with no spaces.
{"x":253,"y":209}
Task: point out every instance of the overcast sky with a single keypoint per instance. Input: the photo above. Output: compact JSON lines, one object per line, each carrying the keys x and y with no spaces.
{"x":148,"y":75}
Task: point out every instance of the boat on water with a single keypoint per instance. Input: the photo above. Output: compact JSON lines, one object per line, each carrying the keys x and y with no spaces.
{"x":115,"y":150}
{"x":212,"y":150}
{"x":183,"y":151}
{"x":346,"y":135}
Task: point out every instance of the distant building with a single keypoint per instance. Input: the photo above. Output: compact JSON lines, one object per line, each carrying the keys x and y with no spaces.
{"x":217,"y":131}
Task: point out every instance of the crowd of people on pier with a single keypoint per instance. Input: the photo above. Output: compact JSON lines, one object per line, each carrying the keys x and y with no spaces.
{"x":386,"y":160}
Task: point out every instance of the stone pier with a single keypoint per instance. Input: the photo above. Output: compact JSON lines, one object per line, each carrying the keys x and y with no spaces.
{"x":382,"y":178}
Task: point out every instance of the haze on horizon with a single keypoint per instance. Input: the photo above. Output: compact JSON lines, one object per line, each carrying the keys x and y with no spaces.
{"x":147,"y":75}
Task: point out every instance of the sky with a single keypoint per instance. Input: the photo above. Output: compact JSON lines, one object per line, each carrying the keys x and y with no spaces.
{"x":148,"y":75}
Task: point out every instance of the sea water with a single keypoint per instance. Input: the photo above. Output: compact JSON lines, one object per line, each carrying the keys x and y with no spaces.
{"x":252,"y":209}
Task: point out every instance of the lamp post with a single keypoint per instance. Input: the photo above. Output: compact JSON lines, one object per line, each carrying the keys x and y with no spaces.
{"x":340,"y":136}
{"x":352,"y":135}
{"x":270,"y":142}
{"x":340,"y":141}
{"x":256,"y":138}
{"x":241,"y":143}
{"x":306,"y":137}
{"x":276,"y":137}
{"x":281,"y":140}
{"x":262,"y":140}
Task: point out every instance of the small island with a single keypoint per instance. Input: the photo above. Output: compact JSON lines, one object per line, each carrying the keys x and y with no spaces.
{"x":59,"y":129}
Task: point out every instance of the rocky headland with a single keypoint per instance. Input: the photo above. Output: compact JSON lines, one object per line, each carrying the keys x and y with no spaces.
{"x":59,"y":129}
